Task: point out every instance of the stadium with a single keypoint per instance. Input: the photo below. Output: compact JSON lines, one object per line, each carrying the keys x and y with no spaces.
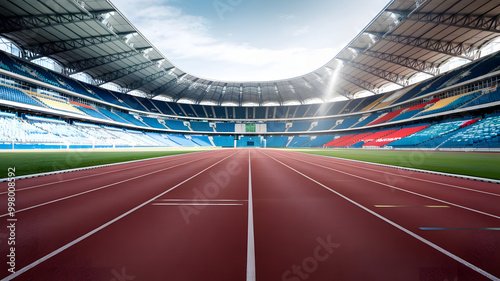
{"x":382,"y":164}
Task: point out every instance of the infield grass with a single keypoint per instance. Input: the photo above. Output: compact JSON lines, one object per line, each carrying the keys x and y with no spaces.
{"x":477,"y":164}
{"x":33,"y":162}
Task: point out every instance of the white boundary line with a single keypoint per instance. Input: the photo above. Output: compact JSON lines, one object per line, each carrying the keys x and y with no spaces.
{"x":98,"y":188}
{"x":400,"y":189}
{"x":413,"y":178}
{"x":81,"y":238}
{"x":196,"y":204}
{"x":414,"y":235}
{"x":92,"y":167}
{"x":100,"y":174}
{"x":251,"y":241}
{"x":405,"y":168}
{"x":436,"y":182}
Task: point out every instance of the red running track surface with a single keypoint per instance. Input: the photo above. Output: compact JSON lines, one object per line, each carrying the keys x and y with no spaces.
{"x":186,"y":217}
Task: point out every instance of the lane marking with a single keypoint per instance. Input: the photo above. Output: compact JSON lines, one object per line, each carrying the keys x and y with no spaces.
{"x":95,"y":189}
{"x":90,"y":167}
{"x":401,"y":189}
{"x":59,"y":250}
{"x":93,"y":175}
{"x":196,"y":204}
{"x":459,"y":228}
{"x":251,"y":241}
{"x":207,"y":200}
{"x":385,"y":172}
{"x":410,"y":206}
{"x":414,"y":235}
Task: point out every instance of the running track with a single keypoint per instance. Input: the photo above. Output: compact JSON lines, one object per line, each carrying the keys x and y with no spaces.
{"x":253,"y":214}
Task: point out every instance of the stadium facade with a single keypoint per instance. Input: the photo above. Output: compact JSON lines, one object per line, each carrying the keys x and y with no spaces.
{"x":386,"y":88}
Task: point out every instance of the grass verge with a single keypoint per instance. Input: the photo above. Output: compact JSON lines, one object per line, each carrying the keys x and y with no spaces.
{"x":31,"y":162}
{"x":477,"y":164}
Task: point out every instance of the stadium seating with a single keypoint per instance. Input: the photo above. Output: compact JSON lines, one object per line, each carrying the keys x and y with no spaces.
{"x":153,"y":122}
{"x":396,"y":135}
{"x":484,"y":133}
{"x":428,"y":135}
{"x":347,"y":123}
{"x":112,"y":115}
{"x":276,"y":141}
{"x":276,"y":127}
{"x":324,"y":125}
{"x":225,"y":127}
{"x":201,"y":141}
{"x":319,"y":141}
{"x":55,"y":103}
{"x":299,"y":126}
{"x":176,"y":125}
{"x":450,"y":103}
{"x":224,"y":141}
{"x":12,"y":94}
{"x":298,"y":141}
{"x":201,"y":126}
{"x":368,"y":119}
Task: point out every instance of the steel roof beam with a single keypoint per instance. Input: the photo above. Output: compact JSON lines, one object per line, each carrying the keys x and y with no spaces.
{"x":20,"y":23}
{"x":380,"y":73}
{"x":478,"y":22}
{"x":160,"y":90}
{"x":418,"y":65}
{"x":52,"y":48}
{"x":344,"y":92}
{"x":146,"y":80}
{"x":120,"y":73}
{"x":83,"y":65}
{"x":359,"y":83}
{"x":444,"y":47}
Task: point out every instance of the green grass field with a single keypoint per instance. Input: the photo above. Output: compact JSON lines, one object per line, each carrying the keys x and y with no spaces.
{"x":31,"y":162}
{"x":477,"y":164}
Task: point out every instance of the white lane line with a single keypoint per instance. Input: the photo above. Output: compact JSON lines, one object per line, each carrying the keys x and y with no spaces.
{"x":98,"y":188}
{"x":409,"y":169}
{"x":207,"y":200}
{"x":90,"y":167}
{"x":251,"y":240}
{"x":52,"y":254}
{"x":197,"y":204}
{"x":429,"y":243}
{"x":401,"y":189}
{"x":104,"y":173}
{"x":389,"y":173}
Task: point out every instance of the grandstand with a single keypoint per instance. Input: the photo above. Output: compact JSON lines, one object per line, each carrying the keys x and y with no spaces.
{"x":240,"y":183}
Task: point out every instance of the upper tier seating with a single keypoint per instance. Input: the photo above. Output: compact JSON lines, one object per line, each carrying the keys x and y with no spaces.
{"x":55,"y":103}
{"x":225,"y":127}
{"x":299,"y":126}
{"x":12,"y":94}
{"x":450,"y":103}
{"x":201,"y":126}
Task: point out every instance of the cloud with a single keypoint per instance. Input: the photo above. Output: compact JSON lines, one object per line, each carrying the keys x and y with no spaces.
{"x":288,"y":17}
{"x":186,"y":38}
{"x":300,"y":31}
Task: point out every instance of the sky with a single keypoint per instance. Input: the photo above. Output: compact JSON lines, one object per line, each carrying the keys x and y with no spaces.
{"x":249,"y":40}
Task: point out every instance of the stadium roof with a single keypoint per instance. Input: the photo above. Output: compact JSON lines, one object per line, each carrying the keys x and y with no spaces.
{"x":406,"y":38}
